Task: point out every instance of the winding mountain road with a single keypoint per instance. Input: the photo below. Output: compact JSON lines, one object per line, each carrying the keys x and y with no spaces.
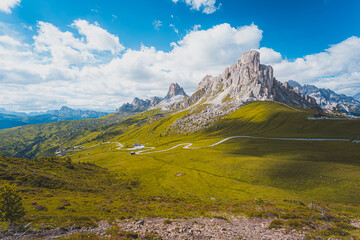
{"x":188,"y":145}
{"x":147,"y":150}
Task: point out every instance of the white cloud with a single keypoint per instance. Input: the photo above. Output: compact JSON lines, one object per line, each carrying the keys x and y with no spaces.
{"x":64,"y":68}
{"x":98,"y":38}
{"x":338,"y":67}
{"x":66,"y":49}
{"x":174,"y":28}
{"x":157,"y":24}
{"x":9,"y":41}
{"x":206,"y":6}
{"x":7,"y":5}
{"x":61,"y":69}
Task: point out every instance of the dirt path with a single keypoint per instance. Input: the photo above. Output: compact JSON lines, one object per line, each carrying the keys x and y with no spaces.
{"x":176,"y":229}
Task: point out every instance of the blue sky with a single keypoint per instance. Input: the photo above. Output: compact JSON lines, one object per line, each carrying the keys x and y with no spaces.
{"x":295,"y":28}
{"x":141,"y":46}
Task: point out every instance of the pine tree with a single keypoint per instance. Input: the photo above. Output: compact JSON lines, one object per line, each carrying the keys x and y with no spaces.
{"x":11,"y":208}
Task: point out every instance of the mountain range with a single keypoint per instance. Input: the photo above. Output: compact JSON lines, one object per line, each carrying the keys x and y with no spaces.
{"x":328,"y":99}
{"x":241,"y":83}
{"x":14,"y":119}
{"x":176,"y":94}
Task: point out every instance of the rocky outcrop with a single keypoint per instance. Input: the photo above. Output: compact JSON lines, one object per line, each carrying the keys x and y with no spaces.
{"x":328,"y":99}
{"x":139,"y":105}
{"x":175,"y":90}
{"x":174,"y":98}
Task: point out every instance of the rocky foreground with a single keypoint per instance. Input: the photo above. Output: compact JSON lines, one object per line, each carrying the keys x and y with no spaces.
{"x":195,"y":228}
{"x":204,"y":228}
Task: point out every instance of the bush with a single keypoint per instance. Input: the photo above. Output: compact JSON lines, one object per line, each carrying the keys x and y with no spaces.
{"x":11,"y":208}
{"x":334,"y":231}
{"x":276,"y":224}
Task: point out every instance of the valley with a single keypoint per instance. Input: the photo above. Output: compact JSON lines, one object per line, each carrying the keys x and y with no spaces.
{"x":218,"y":175}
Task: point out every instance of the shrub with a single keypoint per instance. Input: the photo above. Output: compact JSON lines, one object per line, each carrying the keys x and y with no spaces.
{"x":167,"y":221}
{"x":11,"y":207}
{"x":296,"y":224}
{"x":276,"y":224}
{"x":345,"y":226}
{"x":334,"y":231}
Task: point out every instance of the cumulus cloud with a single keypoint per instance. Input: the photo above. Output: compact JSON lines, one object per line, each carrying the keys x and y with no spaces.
{"x":98,"y":38}
{"x":206,"y":6}
{"x":65,"y":49}
{"x":87,"y":67}
{"x":338,"y":67}
{"x":7,"y":5}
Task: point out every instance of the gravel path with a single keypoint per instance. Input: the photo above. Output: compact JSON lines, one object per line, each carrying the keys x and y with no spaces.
{"x":204,"y":228}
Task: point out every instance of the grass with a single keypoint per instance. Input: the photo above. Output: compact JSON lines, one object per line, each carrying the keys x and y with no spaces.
{"x":296,"y":181}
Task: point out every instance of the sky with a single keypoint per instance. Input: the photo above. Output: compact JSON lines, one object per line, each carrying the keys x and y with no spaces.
{"x":93,"y":54}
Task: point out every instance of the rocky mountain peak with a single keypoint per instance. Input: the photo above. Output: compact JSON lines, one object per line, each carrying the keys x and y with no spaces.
{"x":175,"y":90}
{"x":247,"y":81}
{"x":251,"y":59}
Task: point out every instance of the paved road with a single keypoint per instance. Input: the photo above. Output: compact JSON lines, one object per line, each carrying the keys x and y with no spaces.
{"x":188,"y":145}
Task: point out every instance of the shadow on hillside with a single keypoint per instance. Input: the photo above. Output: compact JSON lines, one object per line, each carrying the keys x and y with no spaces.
{"x":305,"y":151}
{"x":294,"y":165}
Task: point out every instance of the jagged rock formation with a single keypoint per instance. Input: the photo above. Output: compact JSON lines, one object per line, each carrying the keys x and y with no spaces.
{"x":175,"y":90}
{"x":246,"y":81}
{"x":139,"y":105}
{"x":175,"y":95}
{"x":328,"y":99}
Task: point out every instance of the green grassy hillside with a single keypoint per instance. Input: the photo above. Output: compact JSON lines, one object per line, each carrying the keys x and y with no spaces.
{"x":41,"y":140}
{"x":314,"y":181}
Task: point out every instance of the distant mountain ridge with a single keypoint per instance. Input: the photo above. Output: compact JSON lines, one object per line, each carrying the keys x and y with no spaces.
{"x":357,"y":96}
{"x":329,"y":100}
{"x":176,"y":94}
{"x":14,"y":119}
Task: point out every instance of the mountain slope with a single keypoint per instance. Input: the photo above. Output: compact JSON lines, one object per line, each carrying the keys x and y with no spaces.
{"x":328,"y":99}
